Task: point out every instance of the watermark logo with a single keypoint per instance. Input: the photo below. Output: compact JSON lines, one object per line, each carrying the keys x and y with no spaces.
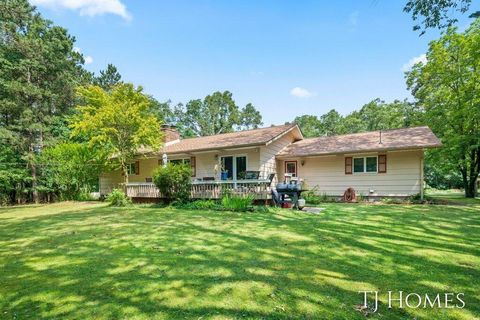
{"x":414,"y":300}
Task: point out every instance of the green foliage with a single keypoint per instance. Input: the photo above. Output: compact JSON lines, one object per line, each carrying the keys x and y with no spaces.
{"x":447,"y":87}
{"x":435,"y":13}
{"x":118,"y":122}
{"x":217,"y":113}
{"x":208,"y":204}
{"x":234,"y":203}
{"x":312,"y":197}
{"x":375,"y":115}
{"x":39,"y":70}
{"x":163,"y":111}
{"x":70,"y":170}
{"x":15,"y":178}
{"x":108,"y":78}
{"x":240,"y":203}
{"x":117,"y":198}
{"x":174,"y":181}
{"x":440,"y":176}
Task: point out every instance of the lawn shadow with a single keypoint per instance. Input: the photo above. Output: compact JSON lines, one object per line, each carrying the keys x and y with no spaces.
{"x":166,"y":263}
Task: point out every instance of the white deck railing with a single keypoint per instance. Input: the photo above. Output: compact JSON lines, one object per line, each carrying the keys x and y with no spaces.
{"x":206,"y":189}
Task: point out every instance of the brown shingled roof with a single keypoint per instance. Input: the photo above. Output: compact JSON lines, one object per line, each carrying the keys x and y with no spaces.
{"x":395,"y":139}
{"x":254,"y":137}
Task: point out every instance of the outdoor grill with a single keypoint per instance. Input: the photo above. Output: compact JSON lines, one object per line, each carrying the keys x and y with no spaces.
{"x":292,"y":190}
{"x":289,"y":187}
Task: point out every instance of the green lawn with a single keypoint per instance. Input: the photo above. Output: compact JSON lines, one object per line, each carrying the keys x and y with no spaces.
{"x":86,"y":260}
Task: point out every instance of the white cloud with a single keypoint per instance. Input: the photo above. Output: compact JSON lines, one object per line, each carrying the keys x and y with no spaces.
{"x":353,"y":20}
{"x":88,"y":59}
{"x":89,"y":8}
{"x":301,"y":93}
{"x":408,"y":66}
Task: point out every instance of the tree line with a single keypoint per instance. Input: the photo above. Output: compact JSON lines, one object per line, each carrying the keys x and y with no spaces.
{"x":45,"y":154}
{"x":61,"y":125}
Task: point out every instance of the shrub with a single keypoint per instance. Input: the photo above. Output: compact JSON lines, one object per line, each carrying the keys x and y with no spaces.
{"x":174,"y":181}
{"x":311,"y":197}
{"x":237,"y":203}
{"x":118,"y":199}
{"x":200,"y":205}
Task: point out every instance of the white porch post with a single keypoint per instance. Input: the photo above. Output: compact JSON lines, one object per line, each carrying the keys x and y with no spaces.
{"x":422,"y":183}
{"x":164,"y":160}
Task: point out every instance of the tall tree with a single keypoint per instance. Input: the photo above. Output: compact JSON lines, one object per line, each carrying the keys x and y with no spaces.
{"x":108,"y":77}
{"x":250,"y":118}
{"x":217,"y":113}
{"x":39,"y":71}
{"x":331,"y":123}
{"x":448,"y":88}
{"x":436,"y":13}
{"x":162,"y":110}
{"x":379,"y":115}
{"x":119,"y":122}
{"x":310,"y":125}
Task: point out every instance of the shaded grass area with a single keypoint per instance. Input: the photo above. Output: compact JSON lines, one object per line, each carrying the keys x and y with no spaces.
{"x":86,"y":260}
{"x":454,"y":197}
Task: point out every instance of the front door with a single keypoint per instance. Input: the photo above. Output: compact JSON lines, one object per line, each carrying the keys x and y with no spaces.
{"x":291,"y":168}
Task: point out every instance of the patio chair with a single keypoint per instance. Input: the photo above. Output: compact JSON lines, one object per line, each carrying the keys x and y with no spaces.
{"x":270,"y":177}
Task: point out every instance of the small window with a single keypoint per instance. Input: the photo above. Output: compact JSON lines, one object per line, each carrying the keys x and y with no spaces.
{"x":132,"y":168}
{"x":291,"y":168}
{"x":371,"y":164}
{"x":358,"y":165}
{"x":365,"y":164}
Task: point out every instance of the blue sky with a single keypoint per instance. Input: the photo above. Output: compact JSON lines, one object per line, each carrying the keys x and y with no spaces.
{"x":286,"y":57}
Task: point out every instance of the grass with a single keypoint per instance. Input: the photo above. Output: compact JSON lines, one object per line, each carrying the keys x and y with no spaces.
{"x":87,"y":260}
{"x":452,"y":196}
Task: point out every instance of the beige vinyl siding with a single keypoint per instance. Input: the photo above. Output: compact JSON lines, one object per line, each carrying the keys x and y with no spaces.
{"x":113,"y":179}
{"x":268,"y":164}
{"x":327,"y":174}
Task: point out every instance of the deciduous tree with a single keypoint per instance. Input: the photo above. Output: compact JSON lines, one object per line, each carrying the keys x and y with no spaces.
{"x":448,"y":88}
{"x":217,"y":113}
{"x":120,"y":122}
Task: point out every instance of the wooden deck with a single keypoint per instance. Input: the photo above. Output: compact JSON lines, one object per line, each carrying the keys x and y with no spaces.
{"x":207,"y":189}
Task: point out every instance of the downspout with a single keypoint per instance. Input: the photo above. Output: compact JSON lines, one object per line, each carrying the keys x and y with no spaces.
{"x":421,"y":176}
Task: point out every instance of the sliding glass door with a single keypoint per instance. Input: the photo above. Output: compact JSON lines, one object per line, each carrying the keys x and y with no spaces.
{"x":234,"y":167}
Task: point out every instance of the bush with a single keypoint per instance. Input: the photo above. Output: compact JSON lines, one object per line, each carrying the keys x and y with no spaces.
{"x":118,"y":199}
{"x":174,"y":181}
{"x":200,"y":205}
{"x":312,"y":198}
{"x":237,"y":203}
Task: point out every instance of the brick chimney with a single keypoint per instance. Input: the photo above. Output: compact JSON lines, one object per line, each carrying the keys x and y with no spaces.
{"x":170,"y":133}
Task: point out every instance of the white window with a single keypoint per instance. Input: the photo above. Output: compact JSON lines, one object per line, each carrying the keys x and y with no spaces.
{"x":180,"y":161}
{"x":291,"y":168}
{"x":233,"y":167}
{"x":365,"y":165}
{"x":132,"y":168}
